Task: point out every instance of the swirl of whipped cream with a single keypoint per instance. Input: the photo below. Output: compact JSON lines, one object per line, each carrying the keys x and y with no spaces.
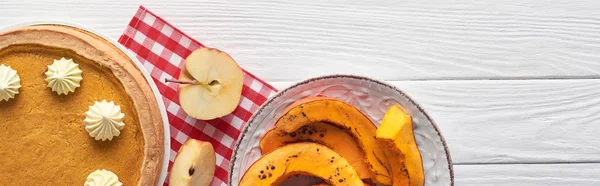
{"x":104,"y":120}
{"x":10,"y":82}
{"x":102,"y":178}
{"x":63,"y":76}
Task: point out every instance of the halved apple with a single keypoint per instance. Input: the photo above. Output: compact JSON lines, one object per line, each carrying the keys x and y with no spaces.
{"x":210,"y":84}
{"x":194,"y":164}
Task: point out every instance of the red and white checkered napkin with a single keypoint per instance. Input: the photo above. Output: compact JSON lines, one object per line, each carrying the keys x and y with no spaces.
{"x":162,"y":48}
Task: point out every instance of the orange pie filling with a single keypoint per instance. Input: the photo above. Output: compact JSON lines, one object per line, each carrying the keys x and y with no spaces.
{"x":44,"y":137}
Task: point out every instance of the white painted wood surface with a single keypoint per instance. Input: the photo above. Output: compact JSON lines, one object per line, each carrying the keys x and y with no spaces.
{"x":512,"y":84}
{"x":528,"y":174}
{"x":512,"y":121}
{"x":286,"y":40}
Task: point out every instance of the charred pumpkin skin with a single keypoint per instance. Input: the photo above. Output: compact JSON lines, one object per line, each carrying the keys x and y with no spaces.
{"x":326,"y":184}
{"x":301,"y":159}
{"x":346,"y":117}
{"x":304,"y":100}
{"x":321,"y":133}
{"x":395,"y":135}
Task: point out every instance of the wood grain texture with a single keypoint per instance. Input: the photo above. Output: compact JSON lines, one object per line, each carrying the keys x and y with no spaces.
{"x":390,"y":40}
{"x":492,"y":127}
{"x":528,"y":175}
{"x":512,"y":121}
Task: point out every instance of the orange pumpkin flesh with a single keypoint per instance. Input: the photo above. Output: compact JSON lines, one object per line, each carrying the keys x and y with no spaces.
{"x":301,"y":159}
{"x":346,"y":117}
{"x":321,"y":133}
{"x":395,"y":135}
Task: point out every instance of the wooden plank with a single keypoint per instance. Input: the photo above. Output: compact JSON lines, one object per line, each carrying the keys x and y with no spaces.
{"x":390,"y":40}
{"x":528,"y":174}
{"x":512,"y":121}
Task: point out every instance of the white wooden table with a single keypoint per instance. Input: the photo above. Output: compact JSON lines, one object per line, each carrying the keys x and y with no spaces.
{"x":513,"y":85}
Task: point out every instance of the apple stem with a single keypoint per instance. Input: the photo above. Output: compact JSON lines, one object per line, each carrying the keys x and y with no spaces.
{"x":180,"y":82}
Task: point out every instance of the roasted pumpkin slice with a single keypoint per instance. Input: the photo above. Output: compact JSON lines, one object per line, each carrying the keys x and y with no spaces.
{"x":321,"y":133}
{"x":395,"y":135}
{"x":344,"y":116}
{"x":306,"y":158}
{"x":327,"y":184}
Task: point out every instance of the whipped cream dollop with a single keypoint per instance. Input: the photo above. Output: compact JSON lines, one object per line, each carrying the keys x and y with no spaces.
{"x":10,"y":82}
{"x":102,"y":178}
{"x":63,"y":76}
{"x":104,"y":120}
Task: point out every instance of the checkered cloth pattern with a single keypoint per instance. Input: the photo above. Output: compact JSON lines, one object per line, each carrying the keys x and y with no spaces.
{"x":162,"y":48}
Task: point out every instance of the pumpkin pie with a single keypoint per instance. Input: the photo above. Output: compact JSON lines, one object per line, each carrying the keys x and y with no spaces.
{"x":44,"y":139}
